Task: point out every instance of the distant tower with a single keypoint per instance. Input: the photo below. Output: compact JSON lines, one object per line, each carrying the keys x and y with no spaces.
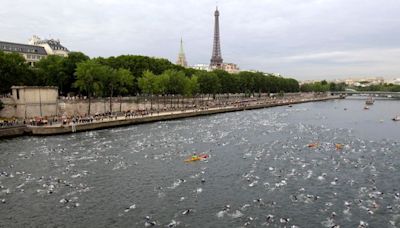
{"x":216,"y":58}
{"x":181,"y":57}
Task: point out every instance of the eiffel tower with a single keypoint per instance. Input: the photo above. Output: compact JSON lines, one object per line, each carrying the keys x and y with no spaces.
{"x":216,"y":58}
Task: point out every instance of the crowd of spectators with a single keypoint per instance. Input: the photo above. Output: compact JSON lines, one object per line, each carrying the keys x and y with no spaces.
{"x":156,"y":110}
{"x":11,"y":123}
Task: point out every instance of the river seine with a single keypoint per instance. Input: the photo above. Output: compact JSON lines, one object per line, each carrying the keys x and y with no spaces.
{"x":311,"y":165}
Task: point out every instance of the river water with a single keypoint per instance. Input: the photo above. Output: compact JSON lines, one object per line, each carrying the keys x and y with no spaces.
{"x":260,"y":172}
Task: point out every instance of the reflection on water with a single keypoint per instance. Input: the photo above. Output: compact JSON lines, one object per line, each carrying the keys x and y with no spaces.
{"x":261,"y":171}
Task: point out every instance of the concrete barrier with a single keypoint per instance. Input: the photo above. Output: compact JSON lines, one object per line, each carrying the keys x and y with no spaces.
{"x":14,"y":131}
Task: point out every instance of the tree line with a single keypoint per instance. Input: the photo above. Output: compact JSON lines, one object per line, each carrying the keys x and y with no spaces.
{"x":322,"y":86}
{"x":388,"y":87}
{"x":131,"y":75}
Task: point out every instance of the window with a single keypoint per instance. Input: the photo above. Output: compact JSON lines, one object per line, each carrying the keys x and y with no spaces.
{"x":17,"y":94}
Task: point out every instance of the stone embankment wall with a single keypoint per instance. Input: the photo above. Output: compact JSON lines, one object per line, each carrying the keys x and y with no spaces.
{"x":14,"y":131}
{"x":146,"y":119}
{"x":9,"y":109}
{"x":71,"y":106}
{"x":13,"y":109}
{"x":80,"y":107}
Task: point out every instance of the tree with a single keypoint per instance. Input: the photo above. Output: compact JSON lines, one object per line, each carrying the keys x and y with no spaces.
{"x":137,"y":65}
{"x":69,"y":67}
{"x":208,"y":82}
{"x":59,"y":71}
{"x":148,"y":85}
{"x":321,"y":86}
{"x":247,"y":84}
{"x":50,"y":72}
{"x":13,"y":71}
{"x":90,"y":77}
{"x":116,"y":81}
{"x":192,"y":86}
{"x":176,"y":82}
{"x":226,"y":80}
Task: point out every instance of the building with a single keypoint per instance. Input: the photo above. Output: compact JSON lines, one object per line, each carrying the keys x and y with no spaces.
{"x":32,"y":101}
{"x":230,"y":68}
{"x":31,"y":53}
{"x":181,"y":56}
{"x":36,"y":49}
{"x":395,"y":81}
{"x":216,"y":57}
{"x":205,"y":67}
{"x":52,"y":47}
{"x":364,"y":81}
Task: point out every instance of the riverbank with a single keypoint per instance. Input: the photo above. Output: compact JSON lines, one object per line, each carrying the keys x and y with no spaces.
{"x":14,"y":131}
{"x":162,"y":116}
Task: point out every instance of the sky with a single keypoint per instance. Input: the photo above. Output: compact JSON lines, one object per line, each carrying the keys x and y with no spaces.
{"x":303,"y":39}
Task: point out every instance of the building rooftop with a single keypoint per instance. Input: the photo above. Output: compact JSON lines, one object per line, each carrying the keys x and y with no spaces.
{"x":21,"y":48}
{"x":54,"y":44}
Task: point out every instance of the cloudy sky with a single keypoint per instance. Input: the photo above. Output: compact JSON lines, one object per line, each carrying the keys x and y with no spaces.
{"x":304,"y":39}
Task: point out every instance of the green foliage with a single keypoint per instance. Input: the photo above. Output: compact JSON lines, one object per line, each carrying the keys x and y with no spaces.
{"x":137,"y":65}
{"x":380,"y":87}
{"x":322,"y":86}
{"x":192,"y":86}
{"x":129,"y":74}
{"x":49,"y":71}
{"x":90,"y":76}
{"x":123,"y":81}
{"x":175,"y":81}
{"x":247,"y":82}
{"x":58,"y":71}
{"x":148,"y":83}
{"x":13,"y":71}
{"x":228,"y":83}
{"x":208,"y":82}
{"x":69,"y":66}
{"x":116,"y":81}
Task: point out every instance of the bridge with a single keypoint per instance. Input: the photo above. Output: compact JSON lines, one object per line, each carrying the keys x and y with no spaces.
{"x":385,"y":94}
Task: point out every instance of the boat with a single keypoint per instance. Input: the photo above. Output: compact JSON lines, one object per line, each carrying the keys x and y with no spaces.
{"x":397,"y":118}
{"x":193,"y":159}
{"x":197,"y":158}
{"x":366,"y":107}
{"x":369,"y":101}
